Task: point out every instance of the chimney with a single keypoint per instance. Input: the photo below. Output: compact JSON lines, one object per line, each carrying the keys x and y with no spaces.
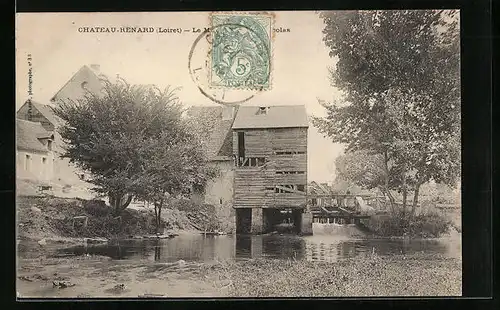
{"x":227,"y":112}
{"x":262,"y":110}
{"x":95,"y":67}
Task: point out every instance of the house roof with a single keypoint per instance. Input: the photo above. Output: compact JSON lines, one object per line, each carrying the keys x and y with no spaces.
{"x":46,"y":111}
{"x":83,"y":69}
{"x":28,"y":135}
{"x":284,"y":116}
{"x":214,"y":132}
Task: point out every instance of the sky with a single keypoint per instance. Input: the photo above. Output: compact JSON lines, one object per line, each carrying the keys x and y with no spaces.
{"x":58,"y":50}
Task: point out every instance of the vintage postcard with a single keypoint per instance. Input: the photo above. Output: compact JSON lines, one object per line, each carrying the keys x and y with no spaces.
{"x":238,"y":154}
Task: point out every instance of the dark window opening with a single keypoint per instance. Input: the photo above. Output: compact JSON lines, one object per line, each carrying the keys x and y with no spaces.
{"x":241,"y":144}
{"x":27,"y":163}
{"x":220,"y":201}
{"x":44,"y":160}
{"x":49,"y":145}
{"x":314,"y":201}
{"x":290,"y":172}
{"x":251,"y":162}
{"x":289,"y":152}
{"x":270,"y":188}
{"x":282,"y":189}
{"x":261,"y":161}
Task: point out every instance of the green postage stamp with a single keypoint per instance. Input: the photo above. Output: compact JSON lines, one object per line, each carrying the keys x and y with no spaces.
{"x":241,"y":51}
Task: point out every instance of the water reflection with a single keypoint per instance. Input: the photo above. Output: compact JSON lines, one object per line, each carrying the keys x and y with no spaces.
{"x":210,"y":248}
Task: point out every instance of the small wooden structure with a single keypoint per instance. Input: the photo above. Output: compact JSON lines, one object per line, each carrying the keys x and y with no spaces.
{"x":330,"y":207}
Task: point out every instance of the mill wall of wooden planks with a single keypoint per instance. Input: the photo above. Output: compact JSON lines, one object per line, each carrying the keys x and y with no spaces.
{"x":277,"y":178}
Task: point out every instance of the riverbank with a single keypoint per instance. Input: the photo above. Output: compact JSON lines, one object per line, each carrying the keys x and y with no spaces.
{"x":398,"y":275}
{"x":47,"y":227}
{"x":55,"y":220}
{"x":97,"y":276}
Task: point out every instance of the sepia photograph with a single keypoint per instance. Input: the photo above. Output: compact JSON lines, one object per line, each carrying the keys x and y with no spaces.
{"x":238,"y":154}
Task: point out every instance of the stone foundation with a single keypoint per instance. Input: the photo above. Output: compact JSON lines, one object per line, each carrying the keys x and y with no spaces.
{"x":256,"y":247}
{"x":257,"y":221}
{"x":306,"y":224}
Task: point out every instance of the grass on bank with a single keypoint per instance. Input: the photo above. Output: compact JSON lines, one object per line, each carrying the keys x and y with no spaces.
{"x":379,"y":276}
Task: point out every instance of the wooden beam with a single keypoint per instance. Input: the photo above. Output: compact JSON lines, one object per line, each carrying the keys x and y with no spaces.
{"x":290,"y":190}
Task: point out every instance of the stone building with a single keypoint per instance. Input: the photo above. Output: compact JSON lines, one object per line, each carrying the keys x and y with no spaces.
{"x":35,"y":155}
{"x":86,"y":79}
{"x":213,"y":125}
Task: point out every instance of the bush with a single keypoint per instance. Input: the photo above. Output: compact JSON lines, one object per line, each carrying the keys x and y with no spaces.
{"x":201,"y":215}
{"x":97,"y":208}
{"x":431,"y":224}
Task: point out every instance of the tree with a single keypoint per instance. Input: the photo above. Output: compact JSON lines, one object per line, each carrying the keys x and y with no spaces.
{"x":126,"y":138}
{"x":172,"y":167}
{"x":399,"y":73}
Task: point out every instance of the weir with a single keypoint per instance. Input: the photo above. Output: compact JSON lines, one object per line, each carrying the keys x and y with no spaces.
{"x":268,"y":220}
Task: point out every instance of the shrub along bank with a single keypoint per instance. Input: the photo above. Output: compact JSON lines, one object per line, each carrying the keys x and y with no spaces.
{"x":429,"y":224}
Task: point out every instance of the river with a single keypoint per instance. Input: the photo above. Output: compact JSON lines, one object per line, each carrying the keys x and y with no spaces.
{"x":173,"y":267}
{"x":198,"y":248}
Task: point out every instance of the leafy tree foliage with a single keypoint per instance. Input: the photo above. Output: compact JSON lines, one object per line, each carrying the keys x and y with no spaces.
{"x":134,"y":142}
{"x":362,"y":169}
{"x":399,"y":73}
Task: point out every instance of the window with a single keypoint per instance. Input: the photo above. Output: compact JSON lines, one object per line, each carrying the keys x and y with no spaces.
{"x":49,"y":145}
{"x":27,"y":162}
{"x":44,"y":160}
{"x":289,"y":152}
{"x":251,"y":162}
{"x":293,"y":187}
{"x":220,"y":201}
{"x":261,"y":161}
{"x":241,"y":144}
{"x":84,"y":85}
{"x":290,"y":172}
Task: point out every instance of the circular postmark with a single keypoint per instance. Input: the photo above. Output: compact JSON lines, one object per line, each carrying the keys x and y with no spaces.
{"x":231,"y":62}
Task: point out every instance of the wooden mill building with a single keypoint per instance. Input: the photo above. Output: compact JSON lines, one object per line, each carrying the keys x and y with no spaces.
{"x":270,"y":175}
{"x":261,"y":153}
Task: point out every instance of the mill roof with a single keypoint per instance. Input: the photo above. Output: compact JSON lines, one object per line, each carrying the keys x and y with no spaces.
{"x":279,"y":116}
{"x":28,"y":135}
